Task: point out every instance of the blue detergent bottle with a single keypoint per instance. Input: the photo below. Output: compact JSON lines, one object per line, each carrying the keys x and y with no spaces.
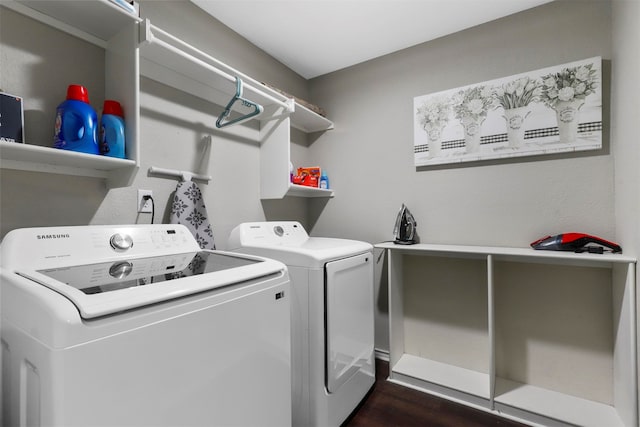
{"x":112,"y":142}
{"x":76,"y":126}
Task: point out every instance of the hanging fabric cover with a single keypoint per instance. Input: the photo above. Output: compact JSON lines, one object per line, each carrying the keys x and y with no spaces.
{"x":189,"y":210}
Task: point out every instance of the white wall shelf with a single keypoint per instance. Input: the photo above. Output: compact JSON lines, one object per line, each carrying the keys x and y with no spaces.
{"x":171,"y":61}
{"x":309,"y":121}
{"x":95,"y":21}
{"x":45,"y":159}
{"x":275,"y":154}
{"x":109,"y":26}
{"x":486,"y":387}
{"x":135,"y":47}
{"x":304,"y":191}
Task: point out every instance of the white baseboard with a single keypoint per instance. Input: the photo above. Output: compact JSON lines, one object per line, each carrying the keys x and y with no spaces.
{"x":382,"y":354}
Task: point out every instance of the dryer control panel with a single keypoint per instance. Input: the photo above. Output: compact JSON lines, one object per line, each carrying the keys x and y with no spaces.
{"x":273,"y":233}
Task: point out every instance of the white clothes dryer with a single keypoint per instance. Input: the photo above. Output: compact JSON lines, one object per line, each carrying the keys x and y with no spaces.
{"x":332,"y":313}
{"x":136,"y":325}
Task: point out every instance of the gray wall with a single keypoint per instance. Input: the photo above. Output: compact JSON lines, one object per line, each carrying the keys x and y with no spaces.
{"x":504,"y":203}
{"x":369,"y":155}
{"x":509,"y":203}
{"x":39,"y":62}
{"x":624,"y":130}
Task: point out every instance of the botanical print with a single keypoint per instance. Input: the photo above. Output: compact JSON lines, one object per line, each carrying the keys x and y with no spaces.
{"x":471,"y":106}
{"x":552,"y":110}
{"x":433,"y":115}
{"x":566,"y":92}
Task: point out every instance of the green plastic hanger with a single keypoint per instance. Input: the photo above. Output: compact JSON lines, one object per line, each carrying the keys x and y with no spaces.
{"x":257,"y":108}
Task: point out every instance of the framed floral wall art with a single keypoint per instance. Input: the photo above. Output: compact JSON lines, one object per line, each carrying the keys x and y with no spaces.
{"x":547,"y":111}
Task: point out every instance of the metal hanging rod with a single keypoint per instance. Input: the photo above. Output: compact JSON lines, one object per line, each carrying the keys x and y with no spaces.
{"x":189,"y":53}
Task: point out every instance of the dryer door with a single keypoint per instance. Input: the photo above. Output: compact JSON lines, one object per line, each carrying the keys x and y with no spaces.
{"x":348,"y":318}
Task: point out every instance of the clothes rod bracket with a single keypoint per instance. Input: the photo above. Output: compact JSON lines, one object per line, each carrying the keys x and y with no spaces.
{"x":183,"y":175}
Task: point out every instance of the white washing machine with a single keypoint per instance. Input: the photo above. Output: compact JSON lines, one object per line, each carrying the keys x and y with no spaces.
{"x":332,"y":316}
{"x":136,"y":326}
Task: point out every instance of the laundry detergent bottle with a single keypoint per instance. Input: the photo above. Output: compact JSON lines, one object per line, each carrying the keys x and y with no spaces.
{"x":112,"y":130}
{"x":76,"y":126}
{"x":324,"y":181}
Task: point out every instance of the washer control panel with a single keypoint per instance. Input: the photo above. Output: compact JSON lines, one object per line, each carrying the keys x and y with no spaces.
{"x":121,"y":242}
{"x":58,"y":246}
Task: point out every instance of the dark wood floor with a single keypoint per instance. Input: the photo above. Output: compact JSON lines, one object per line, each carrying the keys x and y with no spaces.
{"x":389,"y":405}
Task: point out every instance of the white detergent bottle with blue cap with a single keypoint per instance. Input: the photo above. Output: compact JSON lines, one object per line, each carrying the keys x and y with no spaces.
{"x":324,"y":180}
{"x":76,"y":126}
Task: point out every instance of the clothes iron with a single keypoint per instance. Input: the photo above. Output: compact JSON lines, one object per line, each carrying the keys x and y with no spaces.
{"x":404,"y":230}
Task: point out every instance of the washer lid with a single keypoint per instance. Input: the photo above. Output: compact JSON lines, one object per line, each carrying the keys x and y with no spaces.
{"x":109,"y":287}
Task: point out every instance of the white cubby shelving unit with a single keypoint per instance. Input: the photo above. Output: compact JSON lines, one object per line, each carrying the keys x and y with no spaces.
{"x":109,"y":26}
{"x":545,"y":337}
{"x":134,"y":47}
{"x":171,"y":61}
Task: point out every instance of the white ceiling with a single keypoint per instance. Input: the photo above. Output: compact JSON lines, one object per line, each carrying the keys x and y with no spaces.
{"x":315,"y":37}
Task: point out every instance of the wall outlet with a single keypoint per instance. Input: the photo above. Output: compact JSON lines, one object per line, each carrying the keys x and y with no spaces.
{"x":145,"y":206}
